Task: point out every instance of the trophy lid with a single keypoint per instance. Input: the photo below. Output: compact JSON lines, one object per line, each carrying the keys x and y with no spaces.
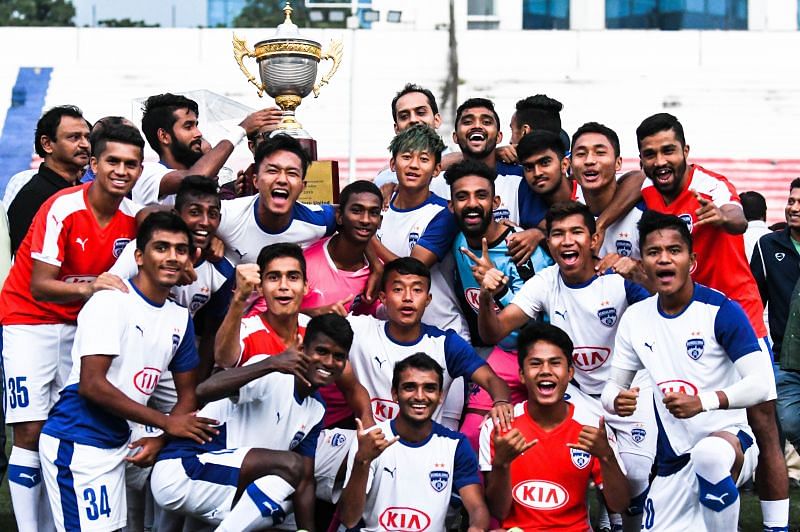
{"x":288,"y":29}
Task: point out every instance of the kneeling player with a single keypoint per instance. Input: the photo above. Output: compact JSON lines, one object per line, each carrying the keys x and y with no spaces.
{"x":537,"y":473}
{"x":123,"y":343}
{"x":402,"y":472}
{"x":701,"y":350}
{"x":242,"y":479}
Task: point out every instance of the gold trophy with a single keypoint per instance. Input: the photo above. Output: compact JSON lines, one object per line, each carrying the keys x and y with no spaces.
{"x":288,"y":69}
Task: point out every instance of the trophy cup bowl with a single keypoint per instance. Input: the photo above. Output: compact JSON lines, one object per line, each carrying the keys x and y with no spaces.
{"x":287,"y":66}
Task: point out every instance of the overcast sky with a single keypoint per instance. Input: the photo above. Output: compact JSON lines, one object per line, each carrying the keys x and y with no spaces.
{"x":188,"y":13}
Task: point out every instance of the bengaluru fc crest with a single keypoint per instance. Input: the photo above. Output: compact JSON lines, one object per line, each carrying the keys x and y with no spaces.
{"x":580,"y":458}
{"x":439,"y":479}
{"x":694,"y":348}
{"x":608,"y":316}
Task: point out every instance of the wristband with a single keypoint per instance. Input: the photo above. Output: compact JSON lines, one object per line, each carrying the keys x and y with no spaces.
{"x":235,"y":136}
{"x":709,"y":401}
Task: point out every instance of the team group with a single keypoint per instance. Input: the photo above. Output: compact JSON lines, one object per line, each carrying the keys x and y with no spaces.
{"x":470,"y":342}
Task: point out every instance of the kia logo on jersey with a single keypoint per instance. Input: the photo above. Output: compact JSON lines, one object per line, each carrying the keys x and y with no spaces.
{"x":590,"y":358}
{"x":403,"y":519}
{"x":608,"y":316}
{"x":687,"y":219}
{"x":146,"y":380}
{"x":384,"y":409}
{"x":119,"y":245}
{"x":694,"y":348}
{"x":471,"y":295}
{"x":580,"y":458}
{"x":677,"y":386}
{"x":439,"y":479}
{"x":540,"y":494}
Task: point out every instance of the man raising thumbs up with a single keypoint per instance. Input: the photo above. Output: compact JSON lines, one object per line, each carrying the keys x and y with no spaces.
{"x":537,"y":473}
{"x":401,"y":473}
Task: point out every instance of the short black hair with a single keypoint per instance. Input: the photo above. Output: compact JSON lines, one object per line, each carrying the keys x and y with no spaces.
{"x":595,"y":127}
{"x":194,"y":186}
{"x":278,"y":251}
{"x":159,"y":113}
{"x":331,"y":325}
{"x":540,"y":112}
{"x":543,"y":332}
{"x":657,"y":123}
{"x":540,"y":140}
{"x":652,"y":221}
{"x":49,"y":122}
{"x":794,"y":184}
{"x":282,"y":142}
{"x":121,"y":133}
{"x":417,"y":361}
{"x":361,"y":186}
{"x":467,"y":167}
{"x":405,"y":266}
{"x":161,"y":221}
{"x":413,"y":87}
{"x":477,"y":102}
{"x":101,"y":124}
{"x":564,"y":209}
{"x":754,"y":205}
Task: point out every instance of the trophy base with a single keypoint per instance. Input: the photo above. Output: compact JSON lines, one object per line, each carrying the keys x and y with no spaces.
{"x":302,"y":136}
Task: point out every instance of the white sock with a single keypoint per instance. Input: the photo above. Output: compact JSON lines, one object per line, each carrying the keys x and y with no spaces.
{"x":46,"y":521}
{"x":260,"y":505}
{"x":712,"y":459}
{"x":637,"y":469}
{"x":603,"y":521}
{"x":775,"y":515}
{"x":25,"y":485}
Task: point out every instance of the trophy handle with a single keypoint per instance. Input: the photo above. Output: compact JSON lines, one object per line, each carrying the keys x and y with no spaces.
{"x":334,"y":53}
{"x":240,"y":51}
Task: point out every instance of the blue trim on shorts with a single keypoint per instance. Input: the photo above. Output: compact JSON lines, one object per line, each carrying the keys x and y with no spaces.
{"x":214,"y":473}
{"x":745,"y":440}
{"x":66,"y":485}
{"x":267,"y":507}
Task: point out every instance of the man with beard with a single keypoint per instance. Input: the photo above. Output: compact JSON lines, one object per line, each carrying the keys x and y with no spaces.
{"x":62,"y":261}
{"x":479,"y":247}
{"x":709,"y":205}
{"x":62,"y":140}
{"x":169,"y":123}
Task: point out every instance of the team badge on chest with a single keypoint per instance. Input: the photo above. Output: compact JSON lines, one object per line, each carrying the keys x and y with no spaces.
{"x":624,"y":247}
{"x":608,"y":316}
{"x":580,"y":458}
{"x":694,"y":348}
{"x":439,"y":478}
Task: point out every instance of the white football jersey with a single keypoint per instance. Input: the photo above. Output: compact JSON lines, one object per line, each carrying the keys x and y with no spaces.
{"x":588,"y":313}
{"x":146,"y":190}
{"x":211,"y":277}
{"x":267,"y":413}
{"x":432,"y":226}
{"x":244,"y":236}
{"x":623,"y":235}
{"x":144,"y":340}
{"x":374,"y":354}
{"x":692,"y":352}
{"x":410,"y":484}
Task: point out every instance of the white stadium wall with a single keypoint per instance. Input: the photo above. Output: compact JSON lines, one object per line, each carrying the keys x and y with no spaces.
{"x":735,"y":92}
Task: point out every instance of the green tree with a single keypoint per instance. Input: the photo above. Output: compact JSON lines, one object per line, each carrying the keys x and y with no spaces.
{"x":269,"y":13}
{"x":36,"y":13}
{"x":125,"y":23}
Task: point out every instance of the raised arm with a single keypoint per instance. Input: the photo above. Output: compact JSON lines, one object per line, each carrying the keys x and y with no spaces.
{"x":227,"y":345}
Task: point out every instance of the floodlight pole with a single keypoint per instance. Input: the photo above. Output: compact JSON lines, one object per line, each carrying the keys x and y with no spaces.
{"x":352,"y":24}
